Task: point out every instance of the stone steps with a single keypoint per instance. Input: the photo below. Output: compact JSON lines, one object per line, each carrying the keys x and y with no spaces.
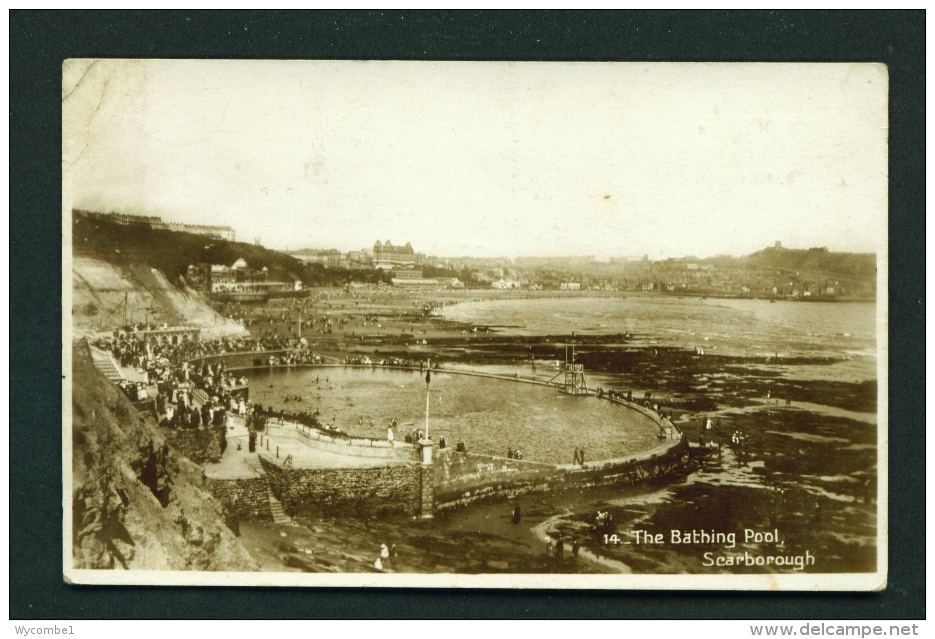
{"x":106,"y":366}
{"x":275,"y":506}
{"x":279,"y":515}
{"x":200,"y":397}
{"x":253,"y":461}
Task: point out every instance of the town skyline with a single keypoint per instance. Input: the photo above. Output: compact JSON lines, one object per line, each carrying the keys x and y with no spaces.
{"x":225,"y":232}
{"x":488,"y":159}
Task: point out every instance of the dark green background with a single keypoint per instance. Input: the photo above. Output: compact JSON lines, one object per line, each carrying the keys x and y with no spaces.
{"x":40,"y":41}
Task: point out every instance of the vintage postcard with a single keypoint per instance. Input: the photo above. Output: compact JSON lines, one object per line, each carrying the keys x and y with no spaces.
{"x":475,"y":324}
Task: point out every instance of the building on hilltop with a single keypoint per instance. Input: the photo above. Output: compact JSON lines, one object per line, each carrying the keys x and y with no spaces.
{"x":214,"y":232}
{"x":122,"y":218}
{"x":387,"y":256}
{"x":359,"y":259}
{"x":155,"y":222}
{"x":333,"y":258}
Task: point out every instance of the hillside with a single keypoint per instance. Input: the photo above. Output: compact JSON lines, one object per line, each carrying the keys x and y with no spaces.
{"x":116,"y":292}
{"x":172,"y":252}
{"x":137,"y":504}
{"x":849,"y":266}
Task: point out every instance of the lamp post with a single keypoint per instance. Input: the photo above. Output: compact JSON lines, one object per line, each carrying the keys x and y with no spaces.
{"x":428,"y":379}
{"x":426,"y":474}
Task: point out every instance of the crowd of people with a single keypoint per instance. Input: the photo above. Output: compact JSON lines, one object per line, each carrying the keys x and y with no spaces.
{"x":390,"y":361}
{"x":137,"y":391}
{"x":130,"y":349}
{"x":306,"y":314}
{"x":291,"y":358}
{"x":615,"y":394}
{"x":738,"y":439}
{"x":628,"y":396}
{"x":172,"y":369}
{"x":260,"y":415}
{"x":175,"y":399}
{"x":667,"y":428}
{"x":180,"y":411}
{"x":603,"y":522}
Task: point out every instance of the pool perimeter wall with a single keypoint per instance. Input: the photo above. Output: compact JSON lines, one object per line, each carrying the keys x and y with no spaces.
{"x":454,"y":479}
{"x":463,"y":478}
{"x":391,"y":489}
{"x":457,"y":479}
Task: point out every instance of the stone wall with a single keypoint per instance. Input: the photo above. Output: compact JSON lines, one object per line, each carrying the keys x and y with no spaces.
{"x":626,"y":472}
{"x":201,"y":445}
{"x":464,"y":477}
{"x":242,"y":498}
{"x":455,"y":479}
{"x":371,"y":490}
{"x":426,"y":490}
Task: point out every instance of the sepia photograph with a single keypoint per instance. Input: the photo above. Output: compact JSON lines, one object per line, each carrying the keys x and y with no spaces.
{"x":576,"y":325}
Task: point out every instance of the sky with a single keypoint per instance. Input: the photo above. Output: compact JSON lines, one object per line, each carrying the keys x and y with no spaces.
{"x":487,"y":158}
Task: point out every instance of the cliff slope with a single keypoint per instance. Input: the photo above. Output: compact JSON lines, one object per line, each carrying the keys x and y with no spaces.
{"x":104,"y":293}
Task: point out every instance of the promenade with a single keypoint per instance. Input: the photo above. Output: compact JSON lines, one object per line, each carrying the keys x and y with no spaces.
{"x":242,"y":464}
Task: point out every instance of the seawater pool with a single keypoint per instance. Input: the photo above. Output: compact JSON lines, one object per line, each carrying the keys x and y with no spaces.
{"x":488,"y":415}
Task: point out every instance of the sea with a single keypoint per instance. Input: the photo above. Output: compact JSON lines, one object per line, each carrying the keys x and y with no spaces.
{"x":845,"y":331}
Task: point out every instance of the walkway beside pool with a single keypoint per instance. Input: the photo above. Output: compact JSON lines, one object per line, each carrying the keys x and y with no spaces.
{"x":242,"y":464}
